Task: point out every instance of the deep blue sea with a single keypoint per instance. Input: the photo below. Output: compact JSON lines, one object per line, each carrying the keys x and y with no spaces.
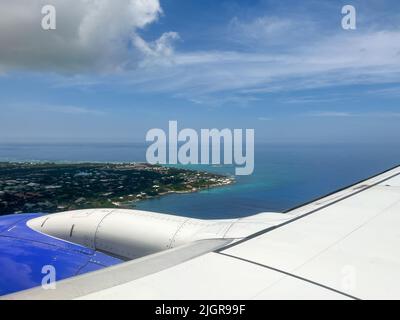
{"x":285,"y":175}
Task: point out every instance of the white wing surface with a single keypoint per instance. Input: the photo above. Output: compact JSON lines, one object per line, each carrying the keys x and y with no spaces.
{"x":343,"y":246}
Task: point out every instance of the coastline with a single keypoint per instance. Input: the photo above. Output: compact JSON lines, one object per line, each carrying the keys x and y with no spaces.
{"x":159,"y":196}
{"x":230,"y":180}
{"x":41,"y":186}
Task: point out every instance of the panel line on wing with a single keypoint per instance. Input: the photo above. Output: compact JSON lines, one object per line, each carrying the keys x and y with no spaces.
{"x":290,"y":275}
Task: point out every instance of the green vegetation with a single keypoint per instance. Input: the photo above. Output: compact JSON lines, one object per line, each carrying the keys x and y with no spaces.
{"x":53,"y":187}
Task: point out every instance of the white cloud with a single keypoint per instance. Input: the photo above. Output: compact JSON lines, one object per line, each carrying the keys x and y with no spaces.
{"x":157,"y":52}
{"x":386,"y":92}
{"x":104,"y":35}
{"x":48,"y":108}
{"x":331,"y":114}
{"x":73,"y":110}
{"x":91,"y":35}
{"x":338,"y":114}
{"x":261,"y":27}
{"x":264,"y":119}
{"x":313,"y":99}
{"x":267,"y":31}
{"x":367,"y":58}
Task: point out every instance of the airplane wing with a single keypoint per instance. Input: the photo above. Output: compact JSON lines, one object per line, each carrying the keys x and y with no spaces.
{"x":343,"y":246}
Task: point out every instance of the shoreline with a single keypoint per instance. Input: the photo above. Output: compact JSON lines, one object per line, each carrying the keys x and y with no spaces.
{"x":43,"y":186}
{"x":170,"y":193}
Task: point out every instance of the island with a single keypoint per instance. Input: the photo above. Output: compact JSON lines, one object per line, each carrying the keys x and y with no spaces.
{"x":31,"y":187}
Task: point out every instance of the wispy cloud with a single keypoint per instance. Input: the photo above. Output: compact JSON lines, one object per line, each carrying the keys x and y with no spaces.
{"x":73,"y":110}
{"x":336,"y":114}
{"x":276,"y":54}
{"x":386,"y":92}
{"x":312,"y":99}
{"x":62,"y":109}
{"x":219,"y":100}
{"x":330,"y":114}
{"x":271,"y":31}
{"x":371,"y":58}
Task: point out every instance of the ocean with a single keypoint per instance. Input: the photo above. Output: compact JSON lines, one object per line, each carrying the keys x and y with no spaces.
{"x":285,"y":175}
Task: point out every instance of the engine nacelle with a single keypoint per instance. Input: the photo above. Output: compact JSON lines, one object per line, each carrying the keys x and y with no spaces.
{"x":130,"y":234}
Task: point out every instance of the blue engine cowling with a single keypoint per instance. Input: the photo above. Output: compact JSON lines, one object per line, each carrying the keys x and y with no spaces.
{"x":25,"y":252}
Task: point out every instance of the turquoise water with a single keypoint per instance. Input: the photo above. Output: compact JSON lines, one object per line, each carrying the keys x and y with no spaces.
{"x":285,"y":175}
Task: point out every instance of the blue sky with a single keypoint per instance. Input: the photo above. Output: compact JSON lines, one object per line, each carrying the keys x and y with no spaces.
{"x":114,"y":69}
